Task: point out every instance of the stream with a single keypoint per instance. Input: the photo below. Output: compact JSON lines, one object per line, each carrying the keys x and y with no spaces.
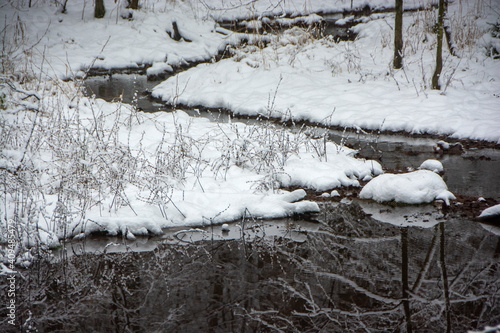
{"x":343,"y":272}
{"x":350,"y":268}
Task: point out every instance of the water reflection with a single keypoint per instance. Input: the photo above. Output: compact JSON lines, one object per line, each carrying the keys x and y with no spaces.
{"x":128,"y":88}
{"x":349,"y":272}
{"x":245,"y":230}
{"x":424,"y":216}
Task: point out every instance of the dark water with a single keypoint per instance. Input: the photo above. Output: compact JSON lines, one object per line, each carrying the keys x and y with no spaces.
{"x":328,"y":27}
{"x":474,"y":173}
{"x":344,"y":272}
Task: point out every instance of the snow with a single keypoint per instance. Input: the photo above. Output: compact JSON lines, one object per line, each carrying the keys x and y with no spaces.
{"x":443,"y":145}
{"x":490,"y":211}
{"x":344,"y":85}
{"x":74,"y":41}
{"x":487,"y":329}
{"x":432,"y":165}
{"x":417,"y":187}
{"x":224,"y":10}
{"x":172,"y":169}
{"x":159,"y":68}
{"x":211,"y":193}
{"x":339,"y":170}
{"x":98,"y":166}
{"x":295,"y":76}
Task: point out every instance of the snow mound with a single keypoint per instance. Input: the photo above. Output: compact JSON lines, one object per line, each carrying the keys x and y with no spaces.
{"x":432,"y":165}
{"x":491,"y":211}
{"x":422,"y":186}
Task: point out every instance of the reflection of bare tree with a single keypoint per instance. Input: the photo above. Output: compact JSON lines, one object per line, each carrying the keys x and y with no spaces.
{"x":404,"y":278}
{"x":427,"y":264}
{"x":353,"y":274}
{"x":444,"y":277}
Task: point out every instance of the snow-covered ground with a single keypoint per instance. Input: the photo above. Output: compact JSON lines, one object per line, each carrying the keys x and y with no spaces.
{"x":65,"y":45}
{"x":352,"y":84}
{"x":97,"y":166}
{"x":72,"y":165}
{"x":102,"y":166}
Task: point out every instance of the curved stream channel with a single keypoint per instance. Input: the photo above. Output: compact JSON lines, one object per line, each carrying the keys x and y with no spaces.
{"x":350,"y":269}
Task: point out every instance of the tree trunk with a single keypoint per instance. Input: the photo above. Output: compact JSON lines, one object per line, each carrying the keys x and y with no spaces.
{"x":439,"y":52}
{"x":99,"y":9}
{"x":63,"y":10}
{"x":176,"y":34}
{"x":398,"y":36}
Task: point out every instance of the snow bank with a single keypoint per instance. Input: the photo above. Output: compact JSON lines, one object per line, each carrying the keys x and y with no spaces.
{"x":294,"y":77}
{"x":101,"y":166}
{"x":339,"y":170}
{"x":422,"y":186}
{"x":346,"y":85}
{"x":224,"y":10}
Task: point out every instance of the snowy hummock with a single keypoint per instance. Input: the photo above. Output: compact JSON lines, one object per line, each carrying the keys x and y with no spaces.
{"x":418,"y":187}
{"x":320,"y":175}
{"x":491,"y":211}
{"x":432,"y":165}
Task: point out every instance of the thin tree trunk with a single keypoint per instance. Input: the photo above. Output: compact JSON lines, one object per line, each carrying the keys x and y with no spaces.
{"x":439,"y":52}
{"x":99,"y":9}
{"x":64,"y":7}
{"x":398,"y":36}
